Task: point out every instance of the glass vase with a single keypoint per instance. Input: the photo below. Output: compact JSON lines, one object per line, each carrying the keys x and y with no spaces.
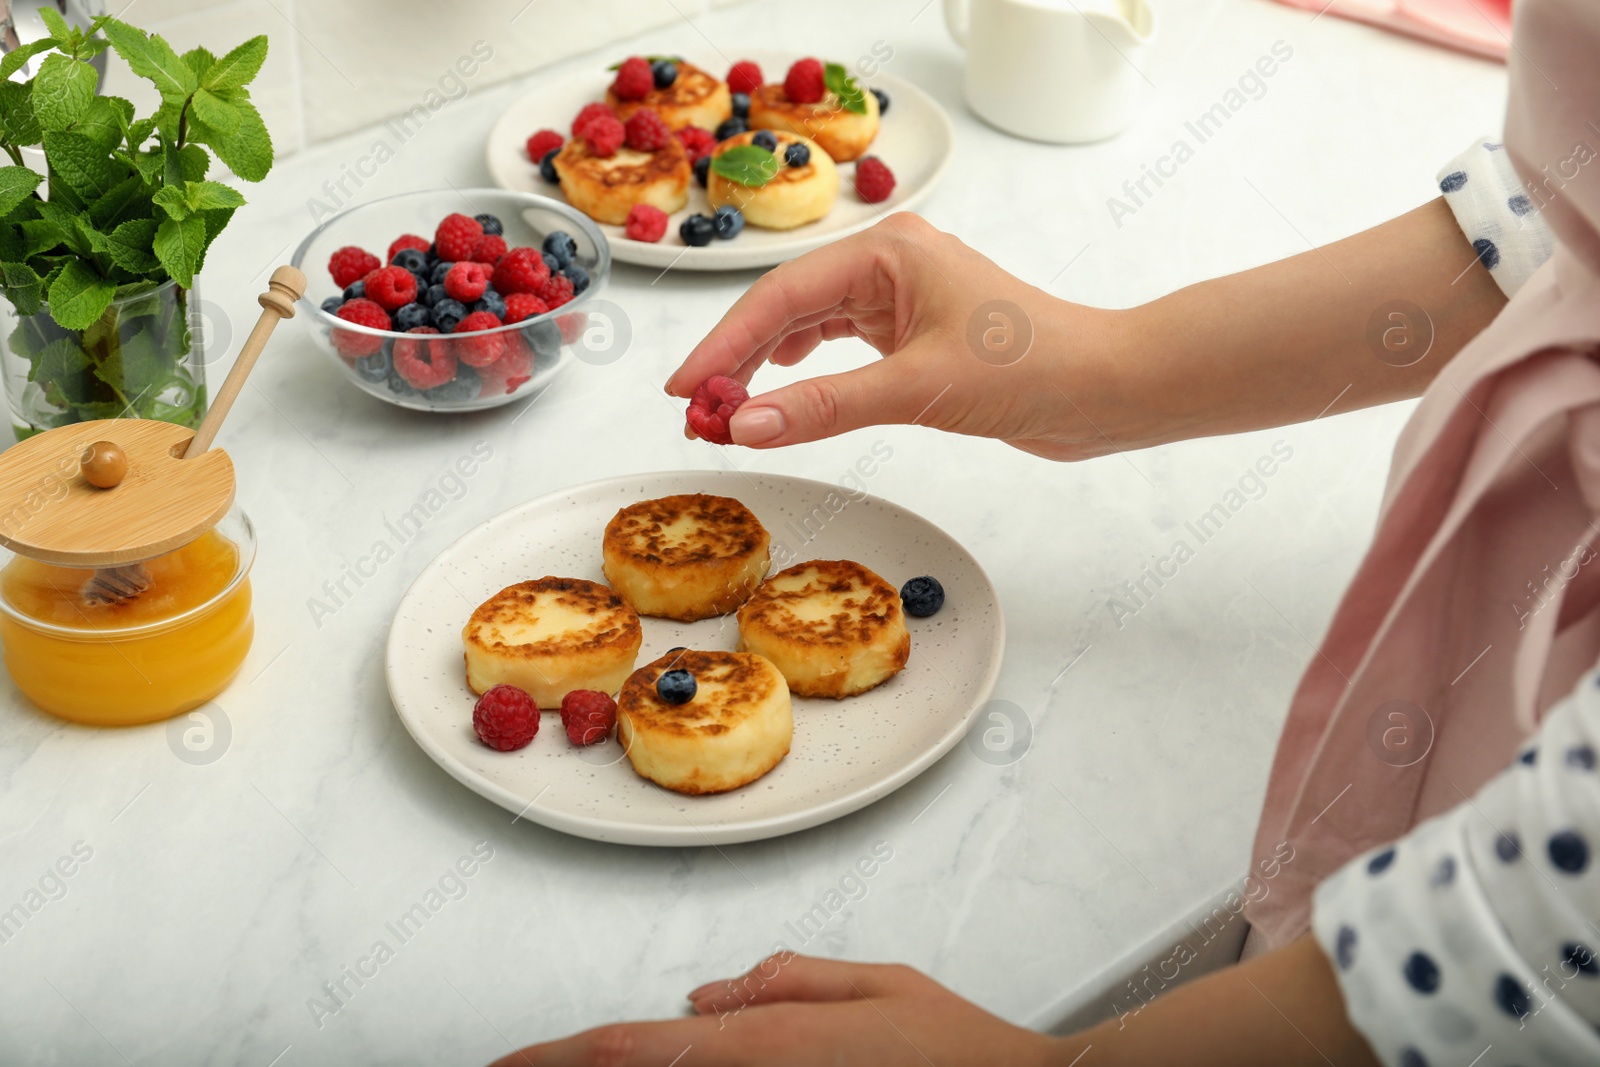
{"x":144,"y":358}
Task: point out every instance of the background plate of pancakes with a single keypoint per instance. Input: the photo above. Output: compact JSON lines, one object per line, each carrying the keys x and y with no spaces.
{"x":915,"y":139}
{"x":845,"y":754}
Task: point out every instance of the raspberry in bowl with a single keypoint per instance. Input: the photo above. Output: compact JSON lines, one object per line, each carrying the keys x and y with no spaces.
{"x":404,"y":321}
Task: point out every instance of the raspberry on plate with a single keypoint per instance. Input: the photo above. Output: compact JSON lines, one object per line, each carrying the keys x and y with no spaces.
{"x":874,"y":180}
{"x":635,"y":79}
{"x":542,"y":142}
{"x":423,"y":364}
{"x":588,"y":715}
{"x":745,"y":77}
{"x":712,"y":405}
{"x":697,"y":141}
{"x":350,"y":264}
{"x":604,"y":135}
{"x":488,"y":250}
{"x":557,"y":290}
{"x":392,"y":288}
{"x":646,"y":222}
{"x":362,"y":312}
{"x":804,"y":83}
{"x":405,"y":241}
{"x":521,"y":270}
{"x":505,"y":718}
{"x":588,"y":113}
{"x":456,"y":236}
{"x":466,"y":281}
{"x":646,"y":131}
{"x":521,"y":306}
{"x":474,"y":347}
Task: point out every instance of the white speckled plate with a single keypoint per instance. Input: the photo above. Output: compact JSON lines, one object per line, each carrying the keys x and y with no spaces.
{"x":845,"y":755}
{"x":915,"y":139}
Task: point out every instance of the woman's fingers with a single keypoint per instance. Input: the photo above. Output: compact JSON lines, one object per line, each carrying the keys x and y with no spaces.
{"x":815,"y":286}
{"x":882,"y":392}
{"x":788,"y":977}
{"x":635,"y":1045}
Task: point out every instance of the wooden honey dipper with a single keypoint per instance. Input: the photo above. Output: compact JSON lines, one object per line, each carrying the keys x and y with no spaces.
{"x":104,"y":464}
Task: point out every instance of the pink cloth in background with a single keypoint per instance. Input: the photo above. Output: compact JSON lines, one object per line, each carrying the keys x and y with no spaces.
{"x":1482,"y":27}
{"x":1478,"y":602}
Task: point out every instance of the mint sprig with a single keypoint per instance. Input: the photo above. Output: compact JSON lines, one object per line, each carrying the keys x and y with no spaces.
{"x":838,"y":81}
{"x":125,"y":206}
{"x":746,"y":164}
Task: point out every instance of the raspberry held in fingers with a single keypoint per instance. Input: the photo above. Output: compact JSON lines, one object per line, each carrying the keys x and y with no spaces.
{"x":712,"y":405}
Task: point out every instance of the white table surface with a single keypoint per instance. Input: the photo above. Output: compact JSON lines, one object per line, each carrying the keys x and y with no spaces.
{"x":220,"y":897}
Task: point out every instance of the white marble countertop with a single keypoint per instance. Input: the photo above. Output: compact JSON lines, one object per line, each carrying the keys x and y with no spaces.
{"x":218,"y":898}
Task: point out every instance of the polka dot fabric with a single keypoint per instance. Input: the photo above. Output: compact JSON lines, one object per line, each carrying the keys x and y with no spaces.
{"x":1498,"y":215}
{"x":1476,"y":938}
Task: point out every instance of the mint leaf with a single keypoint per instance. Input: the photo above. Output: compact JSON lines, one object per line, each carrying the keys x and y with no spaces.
{"x":246,"y":151}
{"x":79,"y":296}
{"x":59,"y":30}
{"x":137,"y":365}
{"x":58,"y":361}
{"x":131,"y":246}
{"x":216,"y":219}
{"x":105,"y":122}
{"x":150,"y":163}
{"x":40,"y":236}
{"x":22,"y":286}
{"x":80,"y":163}
{"x":125,"y":199}
{"x":152,"y":58}
{"x":16,"y":185}
{"x":170,"y":198}
{"x":91,"y":238}
{"x":851,"y":96}
{"x":18,"y":124}
{"x":17,"y":59}
{"x":238,"y":68}
{"x":199,"y":60}
{"x":215,"y":112}
{"x":179,"y":244}
{"x":62,"y":91}
{"x":746,"y":164}
{"x":205,"y":196}
{"x":193,"y":162}
{"x":139,"y":132}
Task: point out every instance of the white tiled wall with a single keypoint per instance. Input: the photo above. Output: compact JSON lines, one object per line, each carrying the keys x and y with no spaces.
{"x":340,"y":65}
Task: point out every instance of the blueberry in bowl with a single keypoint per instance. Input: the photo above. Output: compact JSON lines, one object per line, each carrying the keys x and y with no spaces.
{"x":452,"y":300}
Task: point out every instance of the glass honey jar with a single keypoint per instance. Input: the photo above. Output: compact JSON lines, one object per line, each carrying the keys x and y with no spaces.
{"x":124,"y":561}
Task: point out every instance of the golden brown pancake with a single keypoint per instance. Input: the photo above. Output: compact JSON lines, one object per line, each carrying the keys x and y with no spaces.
{"x":844,"y":135}
{"x":736,"y":728}
{"x":606,"y":188}
{"x":695,"y":99}
{"x":794,"y":196}
{"x":832,"y":627}
{"x":551,"y":636}
{"x":685,"y":557}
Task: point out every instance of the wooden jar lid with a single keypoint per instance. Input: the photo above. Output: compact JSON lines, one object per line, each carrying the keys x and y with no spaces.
{"x":50,"y":511}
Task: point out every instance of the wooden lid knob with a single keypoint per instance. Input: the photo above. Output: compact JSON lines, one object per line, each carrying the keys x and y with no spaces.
{"x":104,"y":464}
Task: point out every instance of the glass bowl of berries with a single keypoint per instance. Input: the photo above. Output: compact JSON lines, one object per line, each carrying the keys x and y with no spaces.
{"x":453,"y":299}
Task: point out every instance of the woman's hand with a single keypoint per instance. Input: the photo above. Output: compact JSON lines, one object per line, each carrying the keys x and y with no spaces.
{"x":799,"y":1010}
{"x":968,"y":348}
{"x":918,"y":296}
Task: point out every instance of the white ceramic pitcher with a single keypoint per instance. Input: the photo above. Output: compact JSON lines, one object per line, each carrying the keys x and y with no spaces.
{"x":1065,"y":71}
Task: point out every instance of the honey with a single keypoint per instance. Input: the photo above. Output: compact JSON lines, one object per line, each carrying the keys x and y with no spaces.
{"x":168,"y":649}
